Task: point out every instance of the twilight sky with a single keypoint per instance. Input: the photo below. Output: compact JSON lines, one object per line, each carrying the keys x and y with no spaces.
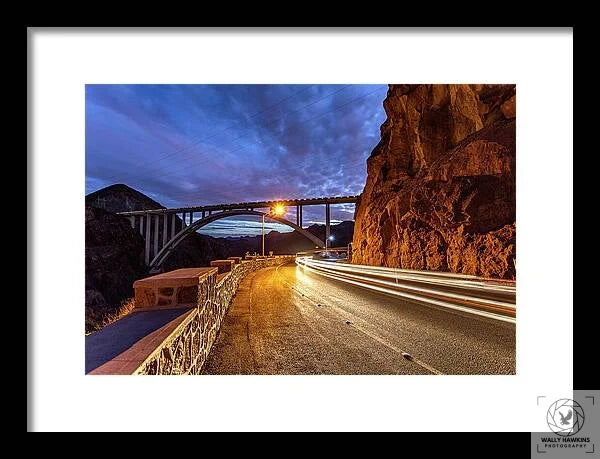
{"x":209,"y":144}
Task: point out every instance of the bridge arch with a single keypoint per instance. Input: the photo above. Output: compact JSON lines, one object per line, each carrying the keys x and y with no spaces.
{"x":164,"y":253}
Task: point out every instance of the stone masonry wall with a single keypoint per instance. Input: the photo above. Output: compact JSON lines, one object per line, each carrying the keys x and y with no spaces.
{"x":185,"y":350}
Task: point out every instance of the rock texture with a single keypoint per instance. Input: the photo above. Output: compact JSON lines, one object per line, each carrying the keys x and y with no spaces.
{"x":440,"y":191}
{"x":121,"y":198}
{"x":114,"y":259}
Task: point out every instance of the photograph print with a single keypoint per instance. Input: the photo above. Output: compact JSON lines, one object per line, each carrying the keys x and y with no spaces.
{"x":300,"y":229}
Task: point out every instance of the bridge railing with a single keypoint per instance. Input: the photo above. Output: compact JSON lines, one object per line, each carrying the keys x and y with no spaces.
{"x":250,"y":205}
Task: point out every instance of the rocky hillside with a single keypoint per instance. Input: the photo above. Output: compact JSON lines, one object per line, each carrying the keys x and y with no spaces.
{"x":440,"y":191}
{"x":121,"y":198}
{"x":114,"y":258}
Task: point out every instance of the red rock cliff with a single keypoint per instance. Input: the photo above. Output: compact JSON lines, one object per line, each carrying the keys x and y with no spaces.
{"x":440,"y":191}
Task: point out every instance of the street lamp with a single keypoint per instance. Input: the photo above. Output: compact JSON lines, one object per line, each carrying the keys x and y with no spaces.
{"x":330,"y":238}
{"x":276,"y":211}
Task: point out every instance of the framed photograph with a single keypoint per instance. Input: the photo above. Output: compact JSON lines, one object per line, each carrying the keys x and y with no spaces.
{"x":352,"y":217}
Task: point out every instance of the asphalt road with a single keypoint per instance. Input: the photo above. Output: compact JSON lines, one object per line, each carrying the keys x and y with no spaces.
{"x":287,"y":320}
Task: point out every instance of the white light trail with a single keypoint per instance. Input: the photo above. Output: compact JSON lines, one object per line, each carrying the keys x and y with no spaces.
{"x":370,"y":277}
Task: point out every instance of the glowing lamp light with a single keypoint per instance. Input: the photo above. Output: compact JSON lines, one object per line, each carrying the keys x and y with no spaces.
{"x":279,"y":209}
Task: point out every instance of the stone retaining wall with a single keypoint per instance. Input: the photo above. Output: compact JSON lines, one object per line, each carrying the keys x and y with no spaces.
{"x":173,"y":289}
{"x":186,"y":348}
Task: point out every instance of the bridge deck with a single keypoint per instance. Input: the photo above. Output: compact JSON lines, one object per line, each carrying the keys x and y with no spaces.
{"x":251,"y":205}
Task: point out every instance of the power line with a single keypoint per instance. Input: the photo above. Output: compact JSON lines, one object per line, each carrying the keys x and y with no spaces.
{"x":295,"y":125}
{"x":229,"y":195}
{"x":229,"y":190}
{"x":184,"y":158}
{"x":187,"y":195}
{"x":203,"y":139}
{"x":219,"y":131}
{"x":360,"y":163}
{"x":190,"y":199}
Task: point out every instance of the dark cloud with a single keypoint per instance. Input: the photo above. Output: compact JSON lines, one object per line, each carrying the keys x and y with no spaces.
{"x":207,"y":144}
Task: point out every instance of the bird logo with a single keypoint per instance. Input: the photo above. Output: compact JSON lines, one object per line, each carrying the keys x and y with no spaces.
{"x":567,"y":424}
{"x":564,"y":420}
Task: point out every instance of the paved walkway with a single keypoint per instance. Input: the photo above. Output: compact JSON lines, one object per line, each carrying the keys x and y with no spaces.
{"x":107,"y":343}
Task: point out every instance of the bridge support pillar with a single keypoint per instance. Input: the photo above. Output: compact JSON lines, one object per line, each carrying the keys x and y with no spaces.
{"x":300,"y":223}
{"x":191,"y":217}
{"x":165,"y":229}
{"x":173,"y":222}
{"x":147,"y":246}
{"x":183,"y":225}
{"x":203,"y":214}
{"x":156,"y":220}
{"x":327,"y":224}
{"x":132,"y":220}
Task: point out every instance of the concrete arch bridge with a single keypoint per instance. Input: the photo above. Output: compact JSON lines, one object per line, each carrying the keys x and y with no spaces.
{"x":164,"y":229}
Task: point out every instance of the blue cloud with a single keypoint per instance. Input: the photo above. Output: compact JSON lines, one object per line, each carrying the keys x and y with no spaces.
{"x":207,"y":144}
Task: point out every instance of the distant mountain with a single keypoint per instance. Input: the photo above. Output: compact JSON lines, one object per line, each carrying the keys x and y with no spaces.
{"x":121,"y":198}
{"x":291,"y":242}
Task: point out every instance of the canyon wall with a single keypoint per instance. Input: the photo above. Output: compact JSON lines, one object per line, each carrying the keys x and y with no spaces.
{"x":440,"y":190}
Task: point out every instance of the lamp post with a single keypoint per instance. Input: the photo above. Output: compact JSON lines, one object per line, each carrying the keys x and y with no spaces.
{"x":327,"y":239}
{"x":276,"y":211}
{"x":263,"y":235}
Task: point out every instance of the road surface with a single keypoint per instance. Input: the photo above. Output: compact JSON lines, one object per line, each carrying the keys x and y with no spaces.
{"x":287,"y":320}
